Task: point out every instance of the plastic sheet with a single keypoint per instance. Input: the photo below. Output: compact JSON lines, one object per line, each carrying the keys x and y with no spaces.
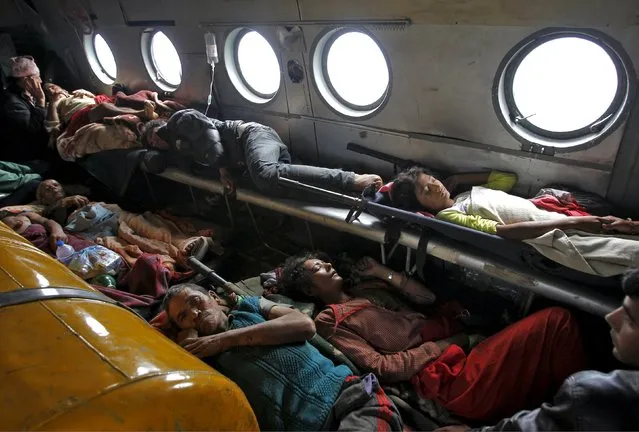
{"x":93,"y":261}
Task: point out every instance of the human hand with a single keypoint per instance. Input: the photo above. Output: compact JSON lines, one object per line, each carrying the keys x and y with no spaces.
{"x":227,"y":180}
{"x":206,"y":346}
{"x":621,"y":226}
{"x":591,"y":224}
{"x":367,"y":266}
{"x":83,"y":93}
{"x":33,"y":86}
{"x":454,"y":428}
{"x":54,"y":237}
{"x":74,"y":201}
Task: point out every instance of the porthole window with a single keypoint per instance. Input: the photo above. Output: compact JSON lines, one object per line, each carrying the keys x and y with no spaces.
{"x":162,"y":60}
{"x":100,"y":58}
{"x":252,"y":65}
{"x":351,"y":72}
{"x":564,"y":89}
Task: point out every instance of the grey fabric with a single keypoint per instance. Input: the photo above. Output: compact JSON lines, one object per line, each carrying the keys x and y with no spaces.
{"x":587,"y":401}
{"x":267,"y":159}
{"x":93,"y":221}
{"x":363,"y":406}
{"x":266,"y":306}
{"x":233,"y":144}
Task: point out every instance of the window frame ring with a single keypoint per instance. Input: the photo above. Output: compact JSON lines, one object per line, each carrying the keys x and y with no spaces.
{"x":327,"y":79}
{"x":236,"y":46}
{"x":148,"y":58}
{"x":97,"y":57}
{"x":535,"y":42}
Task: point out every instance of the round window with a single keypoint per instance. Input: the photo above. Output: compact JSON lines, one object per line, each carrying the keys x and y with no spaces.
{"x":351,"y":72}
{"x":100,"y":58}
{"x":162,"y":60}
{"x":563,"y":89}
{"x":252,"y":65}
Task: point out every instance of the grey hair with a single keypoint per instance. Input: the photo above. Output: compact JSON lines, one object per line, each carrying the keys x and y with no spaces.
{"x":177,"y":289}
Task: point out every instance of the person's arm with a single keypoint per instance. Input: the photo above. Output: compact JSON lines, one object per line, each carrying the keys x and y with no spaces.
{"x":53,"y":228}
{"x":562,"y":414}
{"x":411,"y":288}
{"x":529,"y":230}
{"x":52,"y":111}
{"x":284,"y":326}
{"x":523,"y":230}
{"x":389,"y":368}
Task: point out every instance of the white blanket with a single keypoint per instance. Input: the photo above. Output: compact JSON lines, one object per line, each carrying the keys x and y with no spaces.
{"x":602,"y":255}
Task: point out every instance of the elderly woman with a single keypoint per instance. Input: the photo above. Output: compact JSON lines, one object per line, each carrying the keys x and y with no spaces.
{"x":511,"y":370}
{"x":491,"y":209}
{"x":72,"y":111}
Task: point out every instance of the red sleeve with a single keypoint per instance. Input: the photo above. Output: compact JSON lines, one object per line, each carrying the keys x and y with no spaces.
{"x":389,"y":368}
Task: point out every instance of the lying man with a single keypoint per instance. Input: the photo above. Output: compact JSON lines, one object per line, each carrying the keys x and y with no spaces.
{"x":592,"y":400}
{"x":263,"y":347}
{"x":508,"y":371}
{"x":230,"y":146}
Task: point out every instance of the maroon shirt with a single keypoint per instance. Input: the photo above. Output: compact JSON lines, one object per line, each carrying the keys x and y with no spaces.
{"x":395,"y":345}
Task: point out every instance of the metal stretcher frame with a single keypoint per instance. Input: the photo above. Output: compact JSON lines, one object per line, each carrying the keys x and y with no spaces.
{"x":437,"y":245}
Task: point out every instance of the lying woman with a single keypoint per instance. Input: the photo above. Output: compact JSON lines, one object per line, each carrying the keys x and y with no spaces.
{"x":493,"y":211}
{"x":511,"y":370}
{"x":416,"y":189}
{"x":68,"y":112}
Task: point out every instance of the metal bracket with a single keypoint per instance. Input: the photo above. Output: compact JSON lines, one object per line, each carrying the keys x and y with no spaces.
{"x":537,"y":148}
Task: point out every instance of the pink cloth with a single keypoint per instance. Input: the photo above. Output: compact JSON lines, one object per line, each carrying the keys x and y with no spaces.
{"x":553,"y":204}
{"x":23,"y":66}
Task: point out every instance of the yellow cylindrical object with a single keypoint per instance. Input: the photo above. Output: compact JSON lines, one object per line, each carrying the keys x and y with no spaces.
{"x":77,"y":364}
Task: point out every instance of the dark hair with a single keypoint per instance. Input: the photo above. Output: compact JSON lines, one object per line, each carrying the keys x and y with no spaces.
{"x":295,"y":279}
{"x":147,"y":128}
{"x":7,"y":213}
{"x":402,"y":192}
{"x":630,"y":283}
{"x":177,"y":289}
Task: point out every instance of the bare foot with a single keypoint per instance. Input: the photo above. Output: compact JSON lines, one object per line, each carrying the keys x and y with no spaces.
{"x":362,"y":181}
{"x":149,"y":110}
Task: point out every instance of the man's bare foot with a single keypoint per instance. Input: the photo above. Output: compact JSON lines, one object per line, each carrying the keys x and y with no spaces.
{"x":149,"y":110}
{"x":362,"y":181}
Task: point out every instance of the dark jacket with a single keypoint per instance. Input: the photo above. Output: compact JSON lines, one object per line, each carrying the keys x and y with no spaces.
{"x":24,"y":137}
{"x":587,"y":400}
{"x":206,"y":141}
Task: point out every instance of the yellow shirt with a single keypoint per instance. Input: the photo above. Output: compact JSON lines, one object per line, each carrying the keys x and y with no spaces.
{"x":458,"y":214}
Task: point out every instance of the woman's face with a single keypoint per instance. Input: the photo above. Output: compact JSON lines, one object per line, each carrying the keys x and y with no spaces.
{"x":431,"y":193}
{"x":326,"y":283}
{"x":54,"y":89}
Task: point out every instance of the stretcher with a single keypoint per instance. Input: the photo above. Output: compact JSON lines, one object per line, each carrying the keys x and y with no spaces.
{"x":393,"y":228}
